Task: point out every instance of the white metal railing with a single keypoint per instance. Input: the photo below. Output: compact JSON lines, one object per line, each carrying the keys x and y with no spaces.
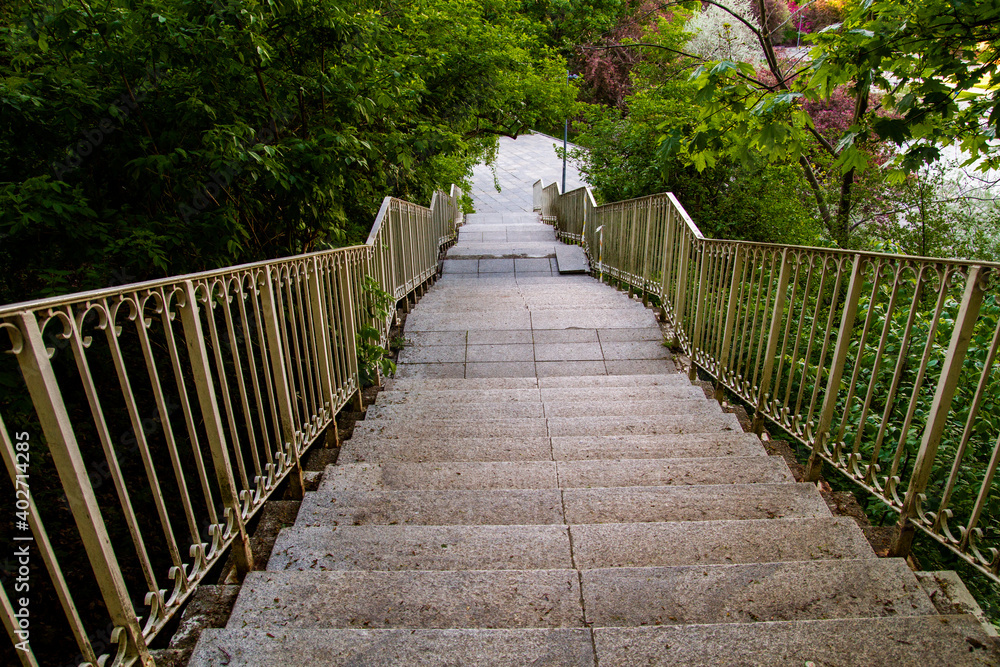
{"x":144,"y":425}
{"x":885,"y":366}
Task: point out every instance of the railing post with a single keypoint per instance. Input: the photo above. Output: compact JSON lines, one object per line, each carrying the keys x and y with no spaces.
{"x":699,"y":318}
{"x":347,"y":298}
{"x":282,"y":391}
{"x":731,"y":310}
{"x":815,"y":466}
{"x":43,"y":387}
{"x":965,"y":323}
{"x":201,"y":370}
{"x":772,"y":342}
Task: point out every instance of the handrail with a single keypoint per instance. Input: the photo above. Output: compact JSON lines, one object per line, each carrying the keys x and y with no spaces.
{"x":170,"y":410}
{"x":884,"y":366}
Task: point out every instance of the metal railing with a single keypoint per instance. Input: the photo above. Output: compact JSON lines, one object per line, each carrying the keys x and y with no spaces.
{"x":885,"y":366}
{"x":143,"y":426}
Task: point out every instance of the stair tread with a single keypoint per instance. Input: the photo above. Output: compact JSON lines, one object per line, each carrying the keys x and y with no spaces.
{"x":475,"y":647}
{"x":552,"y":506}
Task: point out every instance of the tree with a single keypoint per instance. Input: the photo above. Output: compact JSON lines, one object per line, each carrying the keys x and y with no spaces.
{"x":143,"y":138}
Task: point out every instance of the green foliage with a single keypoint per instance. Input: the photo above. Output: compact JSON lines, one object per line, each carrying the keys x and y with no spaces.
{"x":142,"y":138}
{"x":373,"y":359}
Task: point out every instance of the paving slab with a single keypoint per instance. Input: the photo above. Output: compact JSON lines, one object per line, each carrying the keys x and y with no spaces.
{"x":443,"y":475}
{"x":432,"y":508}
{"x":637,"y":334}
{"x":435,"y":337}
{"x":521,"y":336}
{"x":717,"y":542}
{"x":571,"y":259}
{"x":634,"y":350}
{"x":503,"y":352}
{"x":692,"y":503}
{"x":422,"y":548}
{"x":426,"y":354}
{"x":468,"y":647}
{"x":751,"y":593}
{"x":419,"y":321}
{"x":639,"y":366}
{"x":573,"y":368}
{"x":568,"y":351}
{"x":596,"y":319}
{"x":547,"y":336}
{"x":665,"y":472}
{"x":929,"y":641}
{"x":427,"y":371}
{"x":456,"y":599}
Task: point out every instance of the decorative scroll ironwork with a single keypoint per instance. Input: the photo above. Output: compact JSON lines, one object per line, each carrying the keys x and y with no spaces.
{"x":884,"y":366}
{"x":161,"y":416}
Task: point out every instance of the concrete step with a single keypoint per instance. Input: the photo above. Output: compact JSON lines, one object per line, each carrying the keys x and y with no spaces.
{"x":602,"y":408}
{"x":409,"y":384}
{"x":547,"y":506}
{"x":417,"y":449}
{"x":432,"y":508}
{"x":570,"y":381}
{"x":750,"y":593}
{"x":712,"y":420}
{"x":638,"y":380}
{"x":450,"y":412}
{"x":442,"y":599}
{"x":717,"y":542}
{"x":555,"y":647}
{"x":457,"y":396}
{"x":553,"y":474}
{"x":444,"y":475}
{"x":660,"y":446}
{"x":422,"y":548}
{"x":736,"y":502}
{"x":945,"y":641}
{"x":666,"y":472}
{"x":510,"y":411}
{"x":432,"y":449}
{"x":620,"y":394}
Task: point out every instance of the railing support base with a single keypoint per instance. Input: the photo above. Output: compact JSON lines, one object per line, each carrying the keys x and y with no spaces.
{"x":359,"y":401}
{"x":332,"y":438}
{"x":902,"y":543}
{"x":814,"y":469}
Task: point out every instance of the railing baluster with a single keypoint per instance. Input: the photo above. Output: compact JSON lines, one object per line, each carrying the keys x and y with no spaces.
{"x":764,"y":388}
{"x":41,"y":383}
{"x":965,"y":322}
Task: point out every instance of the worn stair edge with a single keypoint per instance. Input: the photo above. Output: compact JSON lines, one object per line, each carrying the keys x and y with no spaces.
{"x":556,"y":647}
{"x":417,"y":397}
{"x":550,"y":410}
{"x":753,"y":592}
{"x":554,"y":474}
{"x":422,"y":547}
{"x":436,"y":599}
{"x":929,"y":641}
{"x":717,"y":542}
{"x":547,"y":506}
{"x":639,"y":380}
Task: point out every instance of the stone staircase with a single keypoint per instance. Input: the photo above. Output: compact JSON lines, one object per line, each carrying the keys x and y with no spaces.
{"x":540,"y":486}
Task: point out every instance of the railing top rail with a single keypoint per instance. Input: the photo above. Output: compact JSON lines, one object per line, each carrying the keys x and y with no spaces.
{"x":104,"y":292}
{"x":382,"y":212}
